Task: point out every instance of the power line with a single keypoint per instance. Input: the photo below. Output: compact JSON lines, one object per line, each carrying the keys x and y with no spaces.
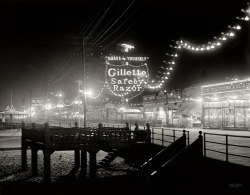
{"x":70,"y":55}
{"x":100,"y":20}
{"x":116,"y":29}
{"x":118,"y":36}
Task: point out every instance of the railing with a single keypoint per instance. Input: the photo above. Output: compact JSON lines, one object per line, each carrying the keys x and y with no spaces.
{"x":228,"y":146}
{"x":71,"y":123}
{"x":10,"y":125}
{"x":167,"y":135}
{"x":77,"y":135}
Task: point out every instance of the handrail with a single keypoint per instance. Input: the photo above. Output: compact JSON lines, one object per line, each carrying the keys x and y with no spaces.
{"x":226,"y":144}
{"x":228,"y":135}
{"x":163,"y":135}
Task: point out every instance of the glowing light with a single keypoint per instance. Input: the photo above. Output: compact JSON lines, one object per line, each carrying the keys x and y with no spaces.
{"x":48,"y":106}
{"x":124,"y":80}
{"x":238,"y":27}
{"x":127,"y":47}
{"x":60,"y":106}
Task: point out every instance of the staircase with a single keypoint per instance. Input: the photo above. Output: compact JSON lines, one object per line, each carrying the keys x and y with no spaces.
{"x":104,"y":163}
{"x":156,"y":162}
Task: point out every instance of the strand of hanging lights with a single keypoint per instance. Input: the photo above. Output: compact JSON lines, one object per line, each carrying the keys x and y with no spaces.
{"x":217,"y":42}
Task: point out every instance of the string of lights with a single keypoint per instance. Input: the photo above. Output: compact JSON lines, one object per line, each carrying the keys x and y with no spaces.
{"x":217,"y":42}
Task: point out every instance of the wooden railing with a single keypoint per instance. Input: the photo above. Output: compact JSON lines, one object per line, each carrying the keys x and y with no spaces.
{"x":10,"y":125}
{"x":56,"y":136}
{"x":81,"y":140}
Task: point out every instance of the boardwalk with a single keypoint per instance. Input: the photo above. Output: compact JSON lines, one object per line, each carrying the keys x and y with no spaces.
{"x":11,"y":139}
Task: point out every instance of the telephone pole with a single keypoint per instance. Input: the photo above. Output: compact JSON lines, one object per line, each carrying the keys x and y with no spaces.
{"x":84,"y":84}
{"x":78,"y":99}
{"x":46,"y":101}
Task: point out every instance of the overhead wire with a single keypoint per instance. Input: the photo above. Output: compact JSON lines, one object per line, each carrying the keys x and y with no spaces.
{"x":101,"y":32}
{"x":70,"y":55}
{"x":62,"y":70}
{"x":100,"y":20}
{"x":66,"y":73}
{"x":119,"y":28}
{"x":113,"y":24}
{"x":90,"y":22}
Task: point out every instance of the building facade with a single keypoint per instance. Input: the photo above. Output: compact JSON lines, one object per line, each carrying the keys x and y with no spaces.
{"x":226,"y":105}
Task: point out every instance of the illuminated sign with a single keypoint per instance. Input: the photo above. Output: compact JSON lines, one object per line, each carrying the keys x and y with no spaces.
{"x":127,"y":58}
{"x":125,"y":80}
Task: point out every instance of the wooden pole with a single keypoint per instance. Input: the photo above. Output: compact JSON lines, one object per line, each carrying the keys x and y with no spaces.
{"x":92,"y":161}
{"x":34,"y":161}
{"x":24,"y":149}
{"x":46,"y":153}
{"x":83,"y":172}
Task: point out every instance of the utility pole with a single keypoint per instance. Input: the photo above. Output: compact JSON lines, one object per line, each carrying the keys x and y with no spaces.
{"x":10,"y":99}
{"x":30,"y":105}
{"x":84,"y":84}
{"x":46,"y":101}
{"x":78,"y":99}
{"x":79,"y":87}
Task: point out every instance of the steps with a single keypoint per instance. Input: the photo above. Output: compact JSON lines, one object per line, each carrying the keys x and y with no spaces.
{"x":104,"y":163}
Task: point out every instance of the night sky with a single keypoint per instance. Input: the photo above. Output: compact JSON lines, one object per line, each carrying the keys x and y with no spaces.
{"x":38,"y":42}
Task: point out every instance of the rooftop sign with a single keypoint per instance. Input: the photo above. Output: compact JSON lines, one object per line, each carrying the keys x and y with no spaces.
{"x":123,"y":80}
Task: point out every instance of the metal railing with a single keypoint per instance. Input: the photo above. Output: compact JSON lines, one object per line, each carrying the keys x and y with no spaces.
{"x":163,"y":135}
{"x":227,"y":145}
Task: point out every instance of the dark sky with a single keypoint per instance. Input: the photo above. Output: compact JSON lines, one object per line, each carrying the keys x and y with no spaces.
{"x":37,"y":44}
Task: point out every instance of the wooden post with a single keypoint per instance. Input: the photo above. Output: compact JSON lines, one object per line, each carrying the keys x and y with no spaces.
{"x":226,"y":148}
{"x":77,"y":158}
{"x":136,"y":126}
{"x":162,"y":137}
{"x":77,"y":152}
{"x":201,"y":144}
{"x":152,"y":135}
{"x":34,"y":160}
{"x":174,"y":134}
{"x":205,"y":144}
{"x":24,"y":149}
{"x":184,"y":135}
{"x":46,"y":153}
{"x":148,"y":140}
{"x":46,"y":165}
{"x":127,"y":125}
{"x":92,"y":165}
{"x":83,"y":172}
{"x":100,"y":126}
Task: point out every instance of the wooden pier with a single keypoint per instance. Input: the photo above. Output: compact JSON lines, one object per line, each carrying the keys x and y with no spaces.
{"x":81,"y":140}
